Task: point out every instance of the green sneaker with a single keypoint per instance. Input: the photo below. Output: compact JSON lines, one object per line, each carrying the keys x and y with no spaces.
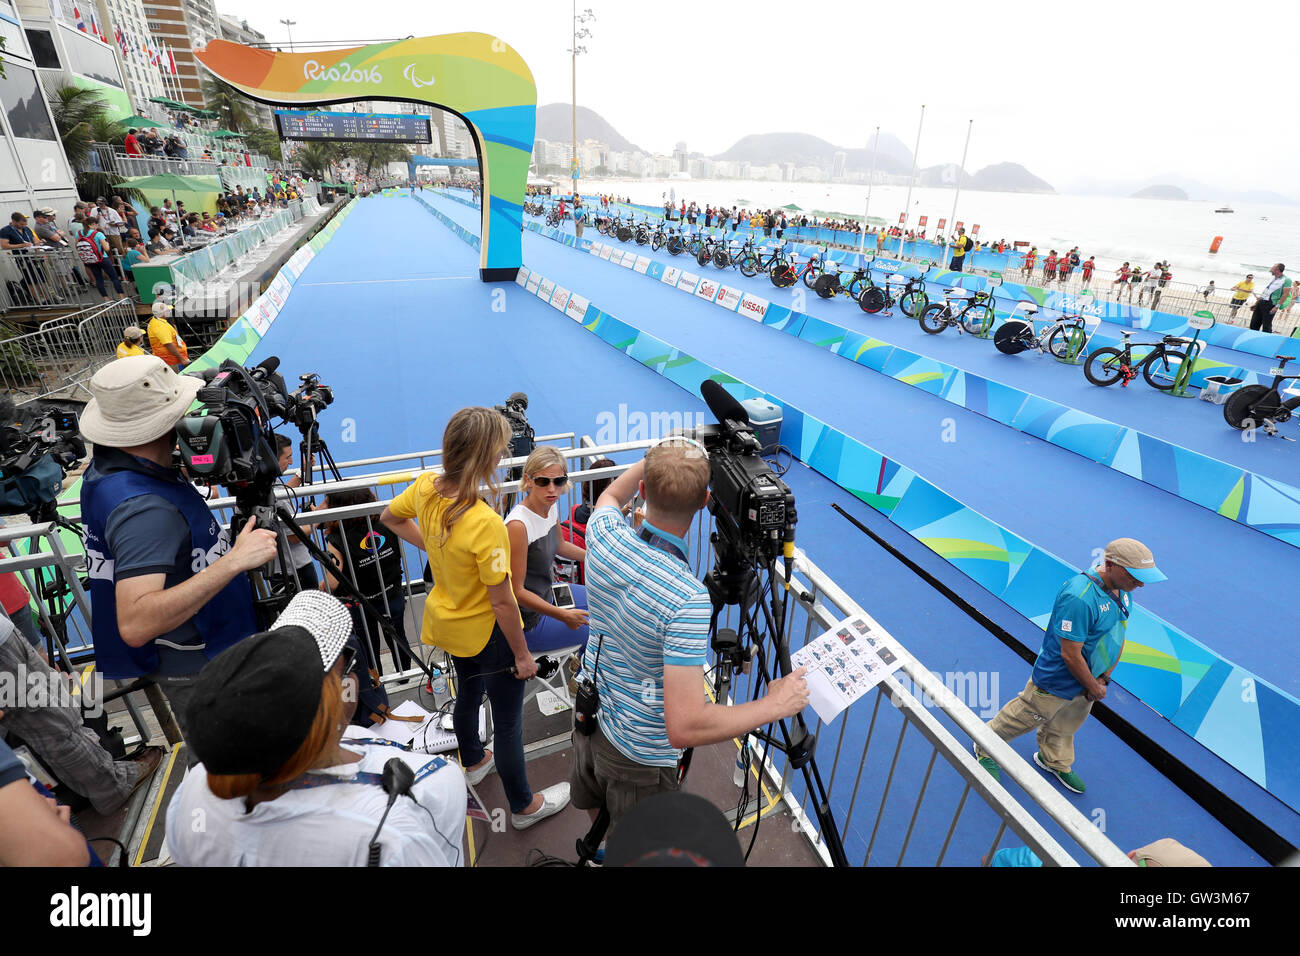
{"x":1068,"y":778}
{"x":989,"y":764}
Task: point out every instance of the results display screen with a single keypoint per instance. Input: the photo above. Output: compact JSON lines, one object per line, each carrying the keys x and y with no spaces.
{"x":390,"y":127}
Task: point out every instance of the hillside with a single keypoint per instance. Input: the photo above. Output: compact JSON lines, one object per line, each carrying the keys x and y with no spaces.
{"x":1008,"y":178}
{"x":804,"y":149}
{"x":555,"y":123}
{"x":1163,"y":191}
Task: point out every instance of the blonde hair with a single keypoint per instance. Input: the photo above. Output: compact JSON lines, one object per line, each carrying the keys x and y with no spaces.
{"x":324,"y":733}
{"x":543,"y":457}
{"x":472,"y":446}
{"x":676,"y":477}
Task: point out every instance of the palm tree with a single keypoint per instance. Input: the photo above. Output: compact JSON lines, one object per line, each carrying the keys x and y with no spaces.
{"x":264,"y":141}
{"x":316,"y":158}
{"x":231,"y":107}
{"x":75,"y":109}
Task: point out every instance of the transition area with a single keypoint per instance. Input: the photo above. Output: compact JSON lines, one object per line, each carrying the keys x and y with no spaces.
{"x":392,"y":314}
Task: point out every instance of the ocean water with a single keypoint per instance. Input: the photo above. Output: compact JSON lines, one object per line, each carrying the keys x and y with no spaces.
{"x":1142,"y":231}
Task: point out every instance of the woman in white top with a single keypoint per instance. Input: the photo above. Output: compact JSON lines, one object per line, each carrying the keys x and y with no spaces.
{"x":283,"y":780}
{"x":534,"y":530}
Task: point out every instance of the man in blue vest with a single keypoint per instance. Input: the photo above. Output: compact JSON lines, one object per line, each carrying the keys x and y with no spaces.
{"x":1082,"y":646}
{"x":168,"y":591}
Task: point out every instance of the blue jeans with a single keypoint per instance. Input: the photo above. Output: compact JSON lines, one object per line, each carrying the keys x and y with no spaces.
{"x":550,"y":634}
{"x":489,"y":672}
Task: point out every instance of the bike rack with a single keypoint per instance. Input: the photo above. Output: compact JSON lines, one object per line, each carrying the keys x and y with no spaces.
{"x":1199,"y":321}
{"x":990,"y":283}
{"x":1078,"y":337}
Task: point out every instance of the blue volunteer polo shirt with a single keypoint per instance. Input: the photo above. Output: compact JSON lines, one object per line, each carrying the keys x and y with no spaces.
{"x":1086,"y":614}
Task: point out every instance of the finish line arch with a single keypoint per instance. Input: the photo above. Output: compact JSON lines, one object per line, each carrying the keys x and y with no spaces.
{"x":478,"y":77}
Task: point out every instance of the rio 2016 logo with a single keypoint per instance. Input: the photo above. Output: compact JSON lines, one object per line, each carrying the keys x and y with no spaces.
{"x":342,"y":73}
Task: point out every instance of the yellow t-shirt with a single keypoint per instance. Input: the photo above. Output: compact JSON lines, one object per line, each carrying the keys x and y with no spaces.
{"x":160,"y":333}
{"x":1242,"y":290}
{"x":458,"y":616}
{"x":123,"y":350}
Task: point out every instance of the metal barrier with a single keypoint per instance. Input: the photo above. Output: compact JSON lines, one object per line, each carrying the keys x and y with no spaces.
{"x":44,"y":278}
{"x":206,"y":263}
{"x":59,"y":358}
{"x":873,"y":802}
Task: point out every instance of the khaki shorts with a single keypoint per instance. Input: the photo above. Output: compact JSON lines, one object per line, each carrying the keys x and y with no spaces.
{"x":602,"y":776}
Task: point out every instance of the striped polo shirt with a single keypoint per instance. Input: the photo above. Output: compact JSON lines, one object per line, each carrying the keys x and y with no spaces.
{"x":647,"y":610}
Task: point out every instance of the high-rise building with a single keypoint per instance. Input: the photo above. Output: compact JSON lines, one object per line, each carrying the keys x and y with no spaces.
{"x":181,"y":25}
{"x":680,"y":161}
{"x":238,"y":31}
{"x":837,"y":165}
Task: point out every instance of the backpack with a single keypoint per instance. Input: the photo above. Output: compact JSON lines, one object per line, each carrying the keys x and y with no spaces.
{"x":88,"y":248}
{"x":574,"y":531}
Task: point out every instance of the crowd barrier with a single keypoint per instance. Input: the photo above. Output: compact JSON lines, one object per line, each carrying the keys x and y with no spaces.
{"x":1177,"y":676}
{"x":205,"y":263}
{"x":59,"y":358}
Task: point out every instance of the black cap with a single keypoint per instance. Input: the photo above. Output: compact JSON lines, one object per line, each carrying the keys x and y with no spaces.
{"x":254,"y":703}
{"x":674,"y":829}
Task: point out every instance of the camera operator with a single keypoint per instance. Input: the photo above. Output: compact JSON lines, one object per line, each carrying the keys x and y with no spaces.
{"x":308,"y":580}
{"x":649,"y":638}
{"x":168,"y":590}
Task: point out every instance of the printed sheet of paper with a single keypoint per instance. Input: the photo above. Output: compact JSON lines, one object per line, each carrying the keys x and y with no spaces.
{"x":845,"y":662}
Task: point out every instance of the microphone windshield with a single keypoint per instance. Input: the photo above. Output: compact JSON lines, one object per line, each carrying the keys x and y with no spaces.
{"x":269,"y":364}
{"x":398,"y":777}
{"x":722,"y":404}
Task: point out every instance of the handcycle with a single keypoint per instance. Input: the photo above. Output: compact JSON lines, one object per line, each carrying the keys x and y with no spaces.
{"x":911,"y":296}
{"x":974,"y":316}
{"x":1262,"y":406}
{"x":1062,"y":338}
{"x":1160,"y":366}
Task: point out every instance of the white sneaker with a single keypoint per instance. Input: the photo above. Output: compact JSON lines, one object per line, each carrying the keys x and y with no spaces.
{"x":554,"y":799}
{"x":476,"y":776}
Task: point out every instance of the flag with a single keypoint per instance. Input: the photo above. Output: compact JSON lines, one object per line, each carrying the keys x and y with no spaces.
{"x":171,"y":60}
{"x":76,"y":15}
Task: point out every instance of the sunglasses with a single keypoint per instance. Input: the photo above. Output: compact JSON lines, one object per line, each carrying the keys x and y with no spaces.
{"x":541,"y":481}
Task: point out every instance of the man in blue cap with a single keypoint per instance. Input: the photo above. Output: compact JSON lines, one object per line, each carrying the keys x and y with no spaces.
{"x":1084,"y":641}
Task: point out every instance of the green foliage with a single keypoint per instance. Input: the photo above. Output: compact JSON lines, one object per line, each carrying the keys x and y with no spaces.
{"x":15,"y":367}
{"x":375,"y":154}
{"x":264,"y":141}
{"x":315,"y":158}
{"x":231,"y":107}
{"x":76,"y":110}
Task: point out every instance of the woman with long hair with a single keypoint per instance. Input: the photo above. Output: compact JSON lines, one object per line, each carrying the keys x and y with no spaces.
{"x":471,"y":612}
{"x":534,"y":530}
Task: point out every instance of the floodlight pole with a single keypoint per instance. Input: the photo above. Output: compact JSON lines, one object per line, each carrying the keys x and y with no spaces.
{"x":287,"y":25}
{"x":961,"y":171}
{"x":862,"y":233}
{"x":907,"y":205}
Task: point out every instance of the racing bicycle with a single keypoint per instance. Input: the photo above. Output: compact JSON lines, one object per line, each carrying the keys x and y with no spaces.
{"x":911,"y":294}
{"x":1160,"y":366}
{"x":974,"y":317}
{"x":1262,"y":406}
{"x":1061,"y":338}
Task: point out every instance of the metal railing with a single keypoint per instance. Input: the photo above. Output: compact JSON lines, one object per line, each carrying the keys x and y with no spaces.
{"x":203,"y":264}
{"x":888,"y":809}
{"x":44,"y":278}
{"x":59,"y":358}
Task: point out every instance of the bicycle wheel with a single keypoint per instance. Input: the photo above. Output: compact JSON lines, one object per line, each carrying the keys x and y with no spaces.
{"x":642,"y":237}
{"x":702,"y":257}
{"x":1063,"y":339}
{"x":826,"y":286}
{"x":914,"y":304}
{"x":811,"y":276}
{"x":872,"y":300}
{"x":720,"y":259}
{"x":1013,"y":337}
{"x":856,"y":287}
{"x":977,"y":318}
{"x":657,"y":242}
{"x":783,"y":276}
{"x":1162,"y":368}
{"x":1240,"y":411}
{"x":624,"y":234}
{"x":674,"y":246}
{"x":1287,"y":411}
{"x":749,"y":266}
{"x":935,"y":319}
{"x":1104,"y":367}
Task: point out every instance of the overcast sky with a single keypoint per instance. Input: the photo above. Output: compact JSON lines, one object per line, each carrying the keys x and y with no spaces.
{"x":1078,"y":91}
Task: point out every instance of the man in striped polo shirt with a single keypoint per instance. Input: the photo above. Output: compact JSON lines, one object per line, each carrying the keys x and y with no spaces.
{"x":649,"y":638}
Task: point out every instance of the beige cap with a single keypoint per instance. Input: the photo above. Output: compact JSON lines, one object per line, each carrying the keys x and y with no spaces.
{"x":136,"y":399}
{"x":1136,"y":558}
{"x":131,"y":333}
{"x":162,"y":309}
{"x":1169,"y":852}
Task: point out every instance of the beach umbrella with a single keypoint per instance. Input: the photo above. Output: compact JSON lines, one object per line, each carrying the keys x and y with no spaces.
{"x":138,"y":121}
{"x":793,"y":207}
{"x":226,"y":134}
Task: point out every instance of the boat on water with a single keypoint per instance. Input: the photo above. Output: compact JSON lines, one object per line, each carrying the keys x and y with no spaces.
{"x":1225,"y":209}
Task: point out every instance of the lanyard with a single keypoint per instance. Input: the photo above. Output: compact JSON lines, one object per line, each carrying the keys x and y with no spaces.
{"x":656,"y":540}
{"x":1119,"y":601}
{"x":311,"y":781}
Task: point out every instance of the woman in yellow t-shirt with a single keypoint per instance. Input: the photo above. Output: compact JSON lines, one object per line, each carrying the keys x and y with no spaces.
{"x":471,"y":613}
{"x":132,"y":336}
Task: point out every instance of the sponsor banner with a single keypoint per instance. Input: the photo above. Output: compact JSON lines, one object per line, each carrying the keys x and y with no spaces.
{"x":642,"y":264}
{"x":534,"y":280}
{"x":521,"y":277}
{"x":596,"y":247}
{"x":728,"y":297}
{"x":688,"y":282}
{"x":560,"y":299}
{"x":707,"y":289}
{"x":576,"y":307}
{"x":616,"y":257}
{"x":753,"y":307}
{"x":671,"y":275}
{"x":629,"y":260}
{"x":605,"y":252}
{"x":278,"y":290}
{"x":545,"y":289}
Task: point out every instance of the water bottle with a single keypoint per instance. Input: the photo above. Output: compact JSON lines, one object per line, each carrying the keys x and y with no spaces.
{"x":440,"y":694}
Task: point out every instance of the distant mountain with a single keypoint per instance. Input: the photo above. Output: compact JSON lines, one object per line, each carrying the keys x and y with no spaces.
{"x":1163,"y":191}
{"x":1265,"y":196}
{"x":804,"y":149}
{"x":555,"y":123}
{"x":1008,"y":178}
